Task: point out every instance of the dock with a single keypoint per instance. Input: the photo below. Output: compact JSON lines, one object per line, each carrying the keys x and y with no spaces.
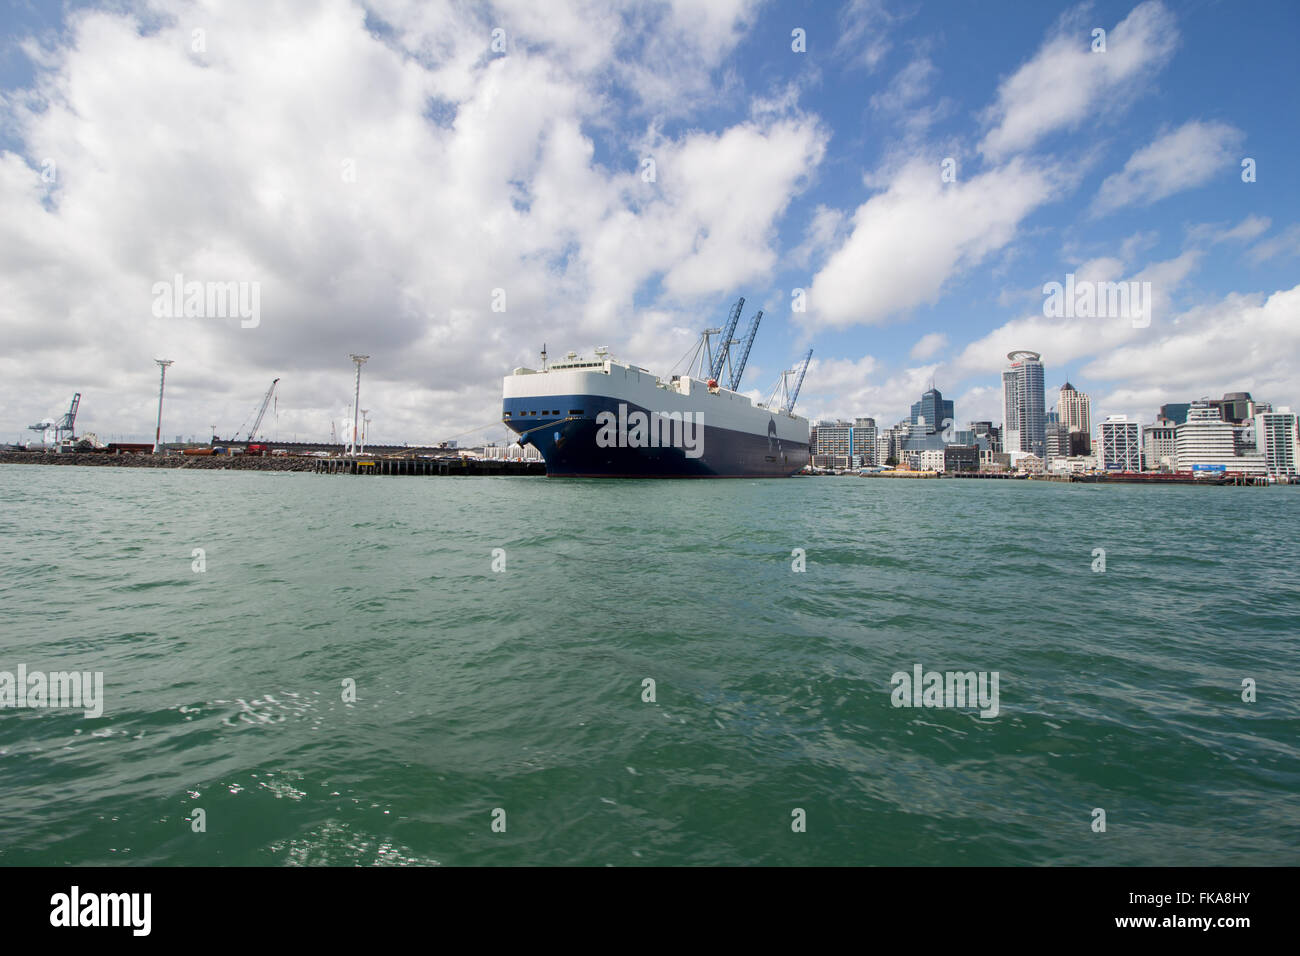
{"x":427,"y":466}
{"x":413,"y":465}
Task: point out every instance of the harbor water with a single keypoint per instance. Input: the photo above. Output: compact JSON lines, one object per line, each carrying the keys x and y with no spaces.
{"x":520,"y":671}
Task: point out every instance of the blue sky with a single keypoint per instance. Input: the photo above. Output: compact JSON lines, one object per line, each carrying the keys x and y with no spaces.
{"x":519,"y":168}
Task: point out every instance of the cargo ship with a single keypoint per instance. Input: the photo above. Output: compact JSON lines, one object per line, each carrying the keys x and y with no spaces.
{"x":598,"y":417}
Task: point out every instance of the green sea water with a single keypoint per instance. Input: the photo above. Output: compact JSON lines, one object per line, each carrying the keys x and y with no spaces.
{"x":519,"y":696}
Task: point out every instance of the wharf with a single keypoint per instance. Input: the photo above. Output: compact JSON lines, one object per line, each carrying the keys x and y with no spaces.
{"x":427,"y":466}
{"x":406,"y":465}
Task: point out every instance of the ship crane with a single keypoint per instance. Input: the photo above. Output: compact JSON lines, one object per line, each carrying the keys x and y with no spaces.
{"x":744,"y":355}
{"x":798,"y":383}
{"x":261,"y":413}
{"x":715,"y":370}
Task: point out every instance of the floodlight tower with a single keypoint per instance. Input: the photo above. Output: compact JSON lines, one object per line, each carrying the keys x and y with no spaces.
{"x":356,"y":405}
{"x":162,"y":382}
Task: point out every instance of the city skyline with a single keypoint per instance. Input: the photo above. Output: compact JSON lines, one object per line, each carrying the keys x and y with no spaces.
{"x":1236,"y":432}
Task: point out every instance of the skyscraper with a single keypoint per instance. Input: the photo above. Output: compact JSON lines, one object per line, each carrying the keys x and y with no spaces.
{"x":1024,"y":428}
{"x":1074,"y":408}
{"x":930,"y":414}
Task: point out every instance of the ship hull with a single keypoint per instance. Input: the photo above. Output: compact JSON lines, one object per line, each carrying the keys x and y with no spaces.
{"x":571,"y":449}
{"x":579,"y":422}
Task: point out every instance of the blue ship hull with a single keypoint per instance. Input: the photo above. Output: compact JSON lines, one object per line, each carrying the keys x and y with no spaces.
{"x":568,"y":443}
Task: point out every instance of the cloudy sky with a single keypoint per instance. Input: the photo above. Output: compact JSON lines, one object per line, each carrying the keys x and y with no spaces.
{"x":447,"y":186}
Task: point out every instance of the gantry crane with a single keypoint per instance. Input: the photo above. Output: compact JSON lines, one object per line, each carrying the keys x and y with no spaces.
{"x":65,"y":424}
{"x":261,"y":413}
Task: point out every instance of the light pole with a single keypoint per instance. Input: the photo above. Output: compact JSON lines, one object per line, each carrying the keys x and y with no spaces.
{"x":356,"y":405}
{"x":162,"y":381}
{"x":365,"y":428}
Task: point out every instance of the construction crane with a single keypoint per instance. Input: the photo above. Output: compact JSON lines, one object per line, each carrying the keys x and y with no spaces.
{"x":261,"y":413}
{"x":716,"y":369}
{"x":798,"y":383}
{"x":744,"y":355}
{"x":65,"y":424}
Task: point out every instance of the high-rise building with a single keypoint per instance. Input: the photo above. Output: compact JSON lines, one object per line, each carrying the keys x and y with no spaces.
{"x":889,"y":443}
{"x":1074,"y":408}
{"x":1236,"y":407}
{"x":1119,"y":444}
{"x":1175,"y":412}
{"x":991,"y":437}
{"x":1023,"y":404}
{"x":864,"y":440}
{"x":1057,"y":438}
{"x":930,"y":414}
{"x":1205,"y":442}
{"x":834,"y":438}
{"x":1277,"y":435}
{"x":854,"y":442}
{"x":1158,"y":447}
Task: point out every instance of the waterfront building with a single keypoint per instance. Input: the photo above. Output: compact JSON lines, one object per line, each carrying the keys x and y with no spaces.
{"x":1073,"y":465}
{"x":1056,"y":437}
{"x":995,"y":461}
{"x":864,"y":440}
{"x":961,"y":457}
{"x":1158,"y":448}
{"x":855,"y":441}
{"x":1205,"y":442}
{"x":1028,"y":463}
{"x":1119,"y":444}
{"x":1175,"y":412}
{"x":889,"y":443}
{"x":832,"y":462}
{"x":930,"y":459}
{"x":1023,"y":404}
{"x":1278,"y":435}
{"x":834,"y":438}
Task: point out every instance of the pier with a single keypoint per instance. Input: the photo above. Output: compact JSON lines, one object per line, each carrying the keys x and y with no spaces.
{"x":427,"y":466}
{"x":395,"y":465}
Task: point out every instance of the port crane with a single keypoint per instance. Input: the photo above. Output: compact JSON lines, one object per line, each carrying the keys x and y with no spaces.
{"x":798,"y":383}
{"x":65,"y":424}
{"x":744,"y":355}
{"x":261,"y":413}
